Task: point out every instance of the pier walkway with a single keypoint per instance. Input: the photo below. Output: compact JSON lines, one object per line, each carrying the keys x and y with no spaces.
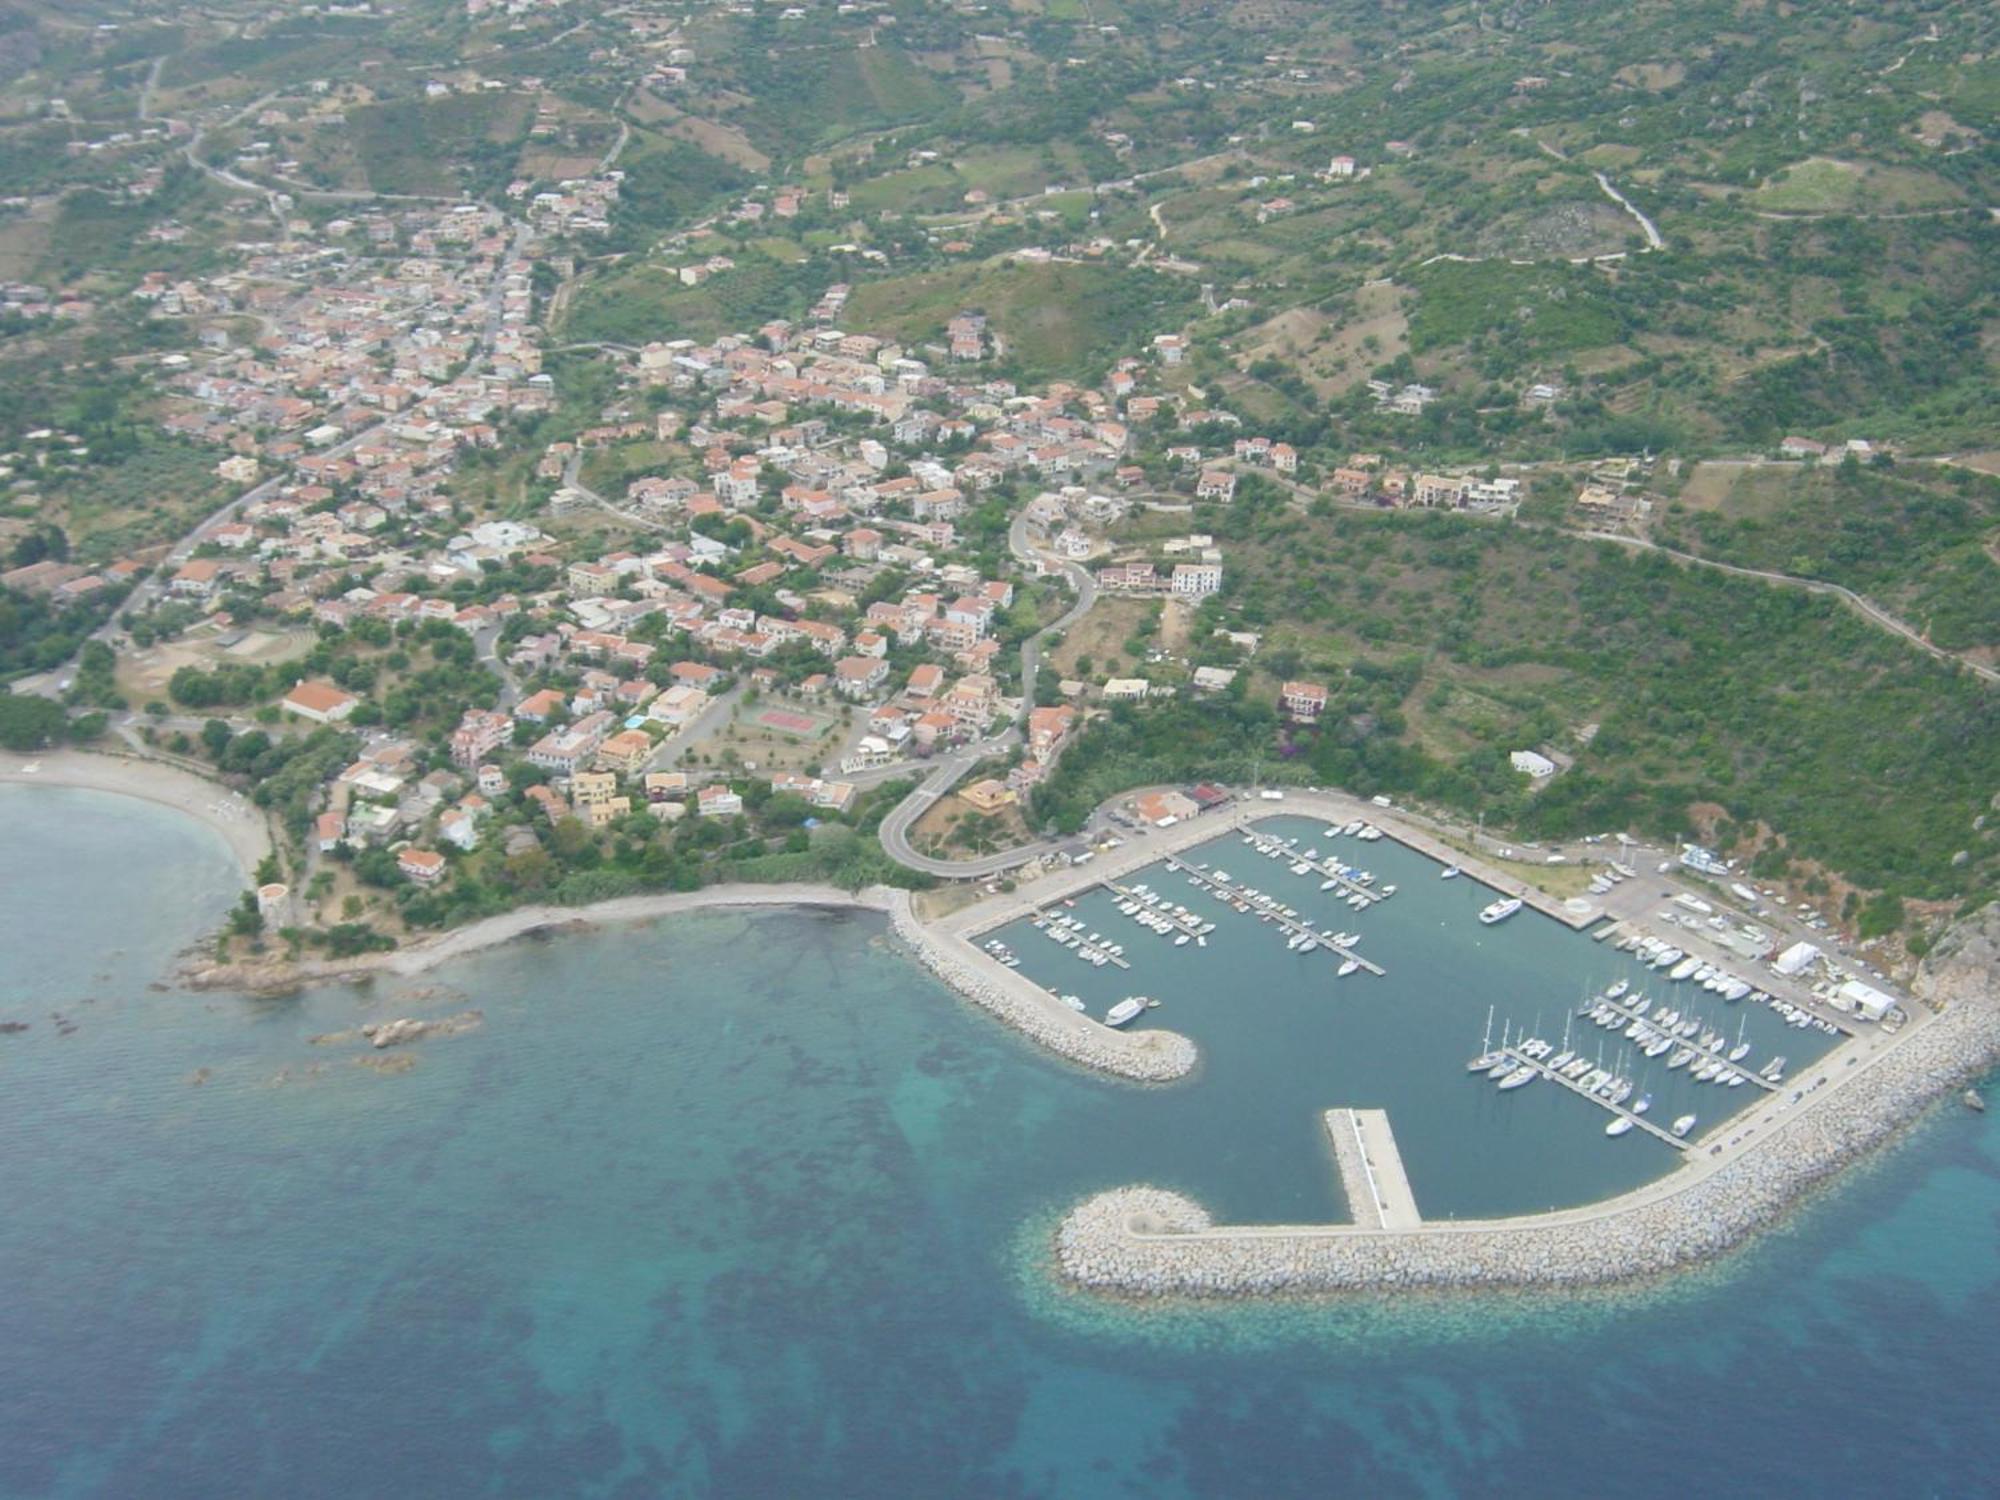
{"x":1083,"y":947}
{"x":1701,"y":1054}
{"x":1602,"y":1103}
{"x":1328,"y":868}
{"x":1371,"y":1169}
{"x":1226,"y":891}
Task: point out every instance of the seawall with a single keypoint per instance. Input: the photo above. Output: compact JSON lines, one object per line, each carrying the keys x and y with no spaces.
{"x":1147,"y":1242}
{"x":1147,"y":1056}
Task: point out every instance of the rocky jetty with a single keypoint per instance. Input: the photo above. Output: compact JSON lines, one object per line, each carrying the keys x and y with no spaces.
{"x":1143,"y":1056}
{"x":381,"y":1034}
{"x":1147,"y":1242}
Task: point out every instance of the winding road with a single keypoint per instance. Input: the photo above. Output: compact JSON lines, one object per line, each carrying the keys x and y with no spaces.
{"x":1869,"y":611}
{"x":946,"y":772}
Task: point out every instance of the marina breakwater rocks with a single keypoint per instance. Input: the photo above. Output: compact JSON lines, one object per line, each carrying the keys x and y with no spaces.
{"x":1148,"y":1242}
{"x":1142,"y":1056}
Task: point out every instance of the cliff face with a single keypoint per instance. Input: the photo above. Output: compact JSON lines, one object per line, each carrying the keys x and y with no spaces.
{"x":1964,"y":967}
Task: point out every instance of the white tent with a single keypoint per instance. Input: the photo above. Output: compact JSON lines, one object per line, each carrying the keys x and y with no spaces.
{"x":1796,"y":959}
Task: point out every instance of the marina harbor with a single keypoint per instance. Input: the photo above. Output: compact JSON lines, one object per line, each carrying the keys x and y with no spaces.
{"x":1331,"y":966}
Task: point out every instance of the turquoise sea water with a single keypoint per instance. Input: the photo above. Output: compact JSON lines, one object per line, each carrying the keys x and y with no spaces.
{"x":747,"y":1205}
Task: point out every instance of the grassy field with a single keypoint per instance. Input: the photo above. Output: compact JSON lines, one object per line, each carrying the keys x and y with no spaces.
{"x":149,"y":497}
{"x":1099,"y":638}
{"x":1822,"y":185}
{"x":1533,"y":310}
{"x":815,"y":97}
{"x":1057,"y":320}
{"x":640,"y":302}
{"x":440,"y":146}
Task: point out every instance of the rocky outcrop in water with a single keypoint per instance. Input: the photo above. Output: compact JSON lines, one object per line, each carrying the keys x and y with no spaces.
{"x":395,"y":1033}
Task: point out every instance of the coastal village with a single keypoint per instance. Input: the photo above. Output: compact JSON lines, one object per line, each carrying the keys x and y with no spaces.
{"x":817,"y":583}
{"x":493,"y":626}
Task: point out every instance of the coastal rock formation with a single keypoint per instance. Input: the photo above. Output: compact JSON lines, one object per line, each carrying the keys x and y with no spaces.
{"x":394,"y":1033}
{"x":1965,"y":963}
{"x":1143,"y":1056}
{"x":1146,"y":1242}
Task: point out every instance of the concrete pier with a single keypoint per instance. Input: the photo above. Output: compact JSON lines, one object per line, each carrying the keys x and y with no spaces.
{"x":1631,"y":1013}
{"x":1371,"y":1169}
{"x":1581,"y":1092}
{"x":1292,"y":926}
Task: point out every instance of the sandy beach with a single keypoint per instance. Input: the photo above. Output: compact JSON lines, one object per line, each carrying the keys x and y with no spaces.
{"x":240,"y":822}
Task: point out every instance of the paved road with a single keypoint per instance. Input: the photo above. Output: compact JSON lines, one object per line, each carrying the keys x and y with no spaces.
{"x":668,"y":753}
{"x":1869,"y":611}
{"x":486,"y":647}
{"x":947,"y":770}
{"x":1081,"y":583}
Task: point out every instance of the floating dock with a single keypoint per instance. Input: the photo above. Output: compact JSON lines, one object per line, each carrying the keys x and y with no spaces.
{"x":1082,"y":948}
{"x":1228,"y":892}
{"x":1602,"y":1103}
{"x":1633,"y":1013}
{"x":1371,"y":1169}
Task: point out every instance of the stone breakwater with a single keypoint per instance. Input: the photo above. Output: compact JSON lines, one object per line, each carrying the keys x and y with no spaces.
{"x":1143,"y":1056}
{"x":1147,"y":1242}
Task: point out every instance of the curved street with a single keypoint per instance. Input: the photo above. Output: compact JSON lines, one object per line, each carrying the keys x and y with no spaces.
{"x":1868,"y":610}
{"x":946,"y":772}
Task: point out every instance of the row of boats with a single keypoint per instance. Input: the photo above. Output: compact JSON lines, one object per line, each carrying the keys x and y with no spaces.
{"x":1248,"y":899}
{"x":1507,"y":1070}
{"x":1170,"y":919}
{"x":1356,"y":885}
{"x":1680,"y":967}
{"x":1612,"y":876}
{"x":1657,"y":953}
{"x":1059,"y":927}
{"x":1683,"y":1039}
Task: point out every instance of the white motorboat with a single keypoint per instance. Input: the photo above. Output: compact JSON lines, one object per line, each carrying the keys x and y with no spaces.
{"x":1517,"y":1079}
{"x":1450,"y":872}
{"x":1500,"y":911}
{"x":1618,"y":989}
{"x":1683,"y":969}
{"x":1620,"y":1126}
{"x":1125,"y":1010}
{"x":1683,"y":1125}
{"x":1347,"y":967}
{"x":1074,"y":1002}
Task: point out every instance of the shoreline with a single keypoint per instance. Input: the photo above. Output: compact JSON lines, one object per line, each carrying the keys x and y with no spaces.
{"x":524,"y":921}
{"x":1152,"y":1056}
{"x":238,"y":821}
{"x":1145,"y":1056}
{"x":1145,"y":1243}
